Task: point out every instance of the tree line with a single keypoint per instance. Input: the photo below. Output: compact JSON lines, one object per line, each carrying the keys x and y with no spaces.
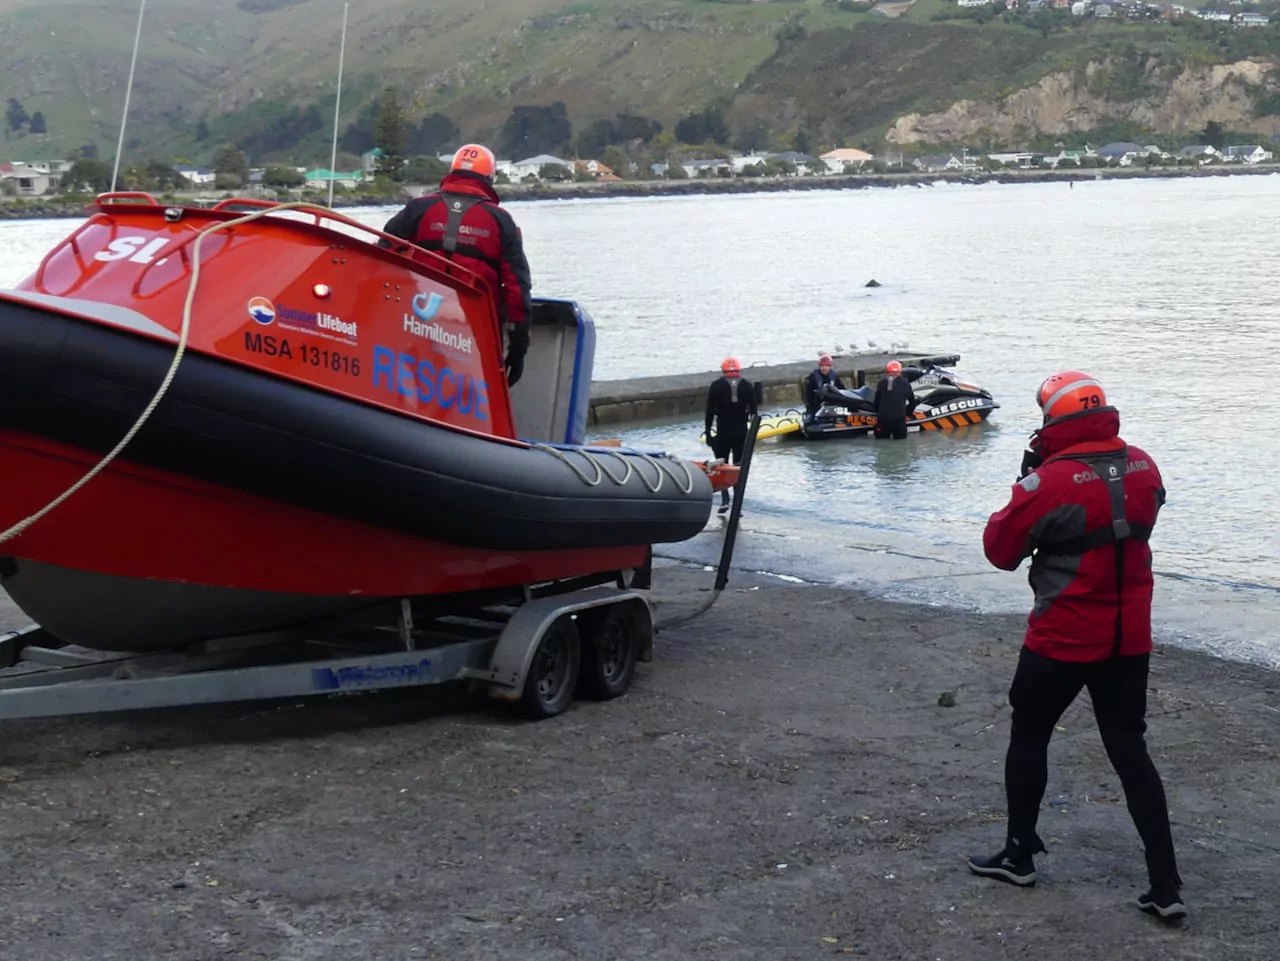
{"x":18,"y":122}
{"x":385,"y":123}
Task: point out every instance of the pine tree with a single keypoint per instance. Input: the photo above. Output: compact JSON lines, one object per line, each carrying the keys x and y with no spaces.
{"x":390,"y":132}
{"x":15,"y":114}
{"x":37,"y":123}
{"x":231,"y":160}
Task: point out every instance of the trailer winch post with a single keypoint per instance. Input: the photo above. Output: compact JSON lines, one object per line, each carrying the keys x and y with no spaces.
{"x":730,"y":535}
{"x":735,"y":512}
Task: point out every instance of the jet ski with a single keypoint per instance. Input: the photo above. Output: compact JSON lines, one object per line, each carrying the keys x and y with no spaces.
{"x":221,"y":421}
{"x":944,"y":401}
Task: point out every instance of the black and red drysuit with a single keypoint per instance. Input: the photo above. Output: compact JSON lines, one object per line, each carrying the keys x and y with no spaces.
{"x":464,"y":221}
{"x":1084,"y":516}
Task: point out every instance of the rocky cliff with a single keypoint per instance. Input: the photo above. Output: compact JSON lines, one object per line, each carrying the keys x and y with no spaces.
{"x":1162,"y":96}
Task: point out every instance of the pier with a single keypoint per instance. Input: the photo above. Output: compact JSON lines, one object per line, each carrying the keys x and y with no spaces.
{"x":685,"y":395}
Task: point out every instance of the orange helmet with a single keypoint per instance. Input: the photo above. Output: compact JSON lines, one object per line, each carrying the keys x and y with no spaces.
{"x":893,"y":367}
{"x":475,"y":158}
{"x":731,"y":367}
{"x":1070,"y":392}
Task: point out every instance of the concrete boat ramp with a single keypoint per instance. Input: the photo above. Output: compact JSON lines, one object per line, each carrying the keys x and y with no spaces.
{"x":685,"y":395}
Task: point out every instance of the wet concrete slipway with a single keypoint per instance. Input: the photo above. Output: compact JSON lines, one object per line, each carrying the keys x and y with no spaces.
{"x":784,"y":780}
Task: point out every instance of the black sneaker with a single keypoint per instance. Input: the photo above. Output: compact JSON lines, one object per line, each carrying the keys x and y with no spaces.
{"x":1019,"y":871}
{"x":1163,"y":902}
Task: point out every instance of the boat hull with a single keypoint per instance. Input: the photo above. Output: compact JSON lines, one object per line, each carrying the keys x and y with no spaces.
{"x":172,"y":550}
{"x":339,"y":432}
{"x":85,"y":384}
{"x":112,"y":613}
{"x":859,"y":425}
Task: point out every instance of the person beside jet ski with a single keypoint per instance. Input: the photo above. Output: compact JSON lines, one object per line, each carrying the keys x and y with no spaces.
{"x":822,"y":377}
{"x":463,"y":221}
{"x":894,"y":402}
{"x":1083,"y":510}
{"x":731,"y":402}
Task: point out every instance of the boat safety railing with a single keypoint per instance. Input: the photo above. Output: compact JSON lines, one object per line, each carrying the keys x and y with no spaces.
{"x":73,"y":243}
{"x":121,"y":196}
{"x":316,"y":216}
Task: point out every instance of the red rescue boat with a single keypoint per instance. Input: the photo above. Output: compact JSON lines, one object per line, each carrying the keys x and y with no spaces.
{"x":336,"y":431}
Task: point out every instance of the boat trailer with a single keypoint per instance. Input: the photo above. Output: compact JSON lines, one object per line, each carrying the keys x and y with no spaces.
{"x":536,"y":646}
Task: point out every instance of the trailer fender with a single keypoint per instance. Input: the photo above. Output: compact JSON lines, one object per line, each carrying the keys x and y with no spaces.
{"x":509,"y":665}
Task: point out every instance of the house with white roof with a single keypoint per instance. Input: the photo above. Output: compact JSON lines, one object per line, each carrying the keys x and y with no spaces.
{"x":741,"y":162}
{"x":533,"y":165}
{"x":1012,"y":159}
{"x":707,"y":168}
{"x":196,"y":176}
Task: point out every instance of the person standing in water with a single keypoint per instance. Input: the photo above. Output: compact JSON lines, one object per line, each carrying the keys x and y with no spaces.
{"x":731,"y":402}
{"x":818,"y":381}
{"x":895,"y":401}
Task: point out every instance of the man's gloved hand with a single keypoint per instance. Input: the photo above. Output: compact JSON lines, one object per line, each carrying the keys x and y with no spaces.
{"x":1030,"y":461}
{"x":711,"y":440}
{"x":517,"y":347}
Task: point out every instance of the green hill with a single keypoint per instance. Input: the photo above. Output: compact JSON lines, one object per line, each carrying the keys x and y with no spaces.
{"x":261,"y":73}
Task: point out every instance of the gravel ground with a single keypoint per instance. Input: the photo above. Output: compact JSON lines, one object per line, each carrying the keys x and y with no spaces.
{"x":780,"y":783}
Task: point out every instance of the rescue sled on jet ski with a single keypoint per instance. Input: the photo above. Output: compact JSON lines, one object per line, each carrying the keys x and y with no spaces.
{"x":944,"y":401}
{"x":338,"y":432}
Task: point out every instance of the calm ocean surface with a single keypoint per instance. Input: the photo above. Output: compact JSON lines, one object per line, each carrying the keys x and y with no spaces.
{"x":1163,"y":289}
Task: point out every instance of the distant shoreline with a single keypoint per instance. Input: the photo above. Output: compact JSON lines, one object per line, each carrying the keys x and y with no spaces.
{"x":739,"y":185}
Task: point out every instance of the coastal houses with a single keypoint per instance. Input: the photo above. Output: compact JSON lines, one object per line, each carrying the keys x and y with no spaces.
{"x":596,"y":170}
{"x":843,"y":159}
{"x":707,"y":168}
{"x":1121,"y":153}
{"x":534,"y":165}
{"x":27,"y":179}
{"x":196,"y":176}
{"x":320,"y":178}
{"x":1247,"y":154}
{"x":1201,"y":153}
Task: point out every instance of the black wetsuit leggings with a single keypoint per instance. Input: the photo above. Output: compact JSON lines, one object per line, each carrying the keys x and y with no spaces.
{"x":1042,"y":690}
{"x":726,"y":445}
{"x":897,"y":430}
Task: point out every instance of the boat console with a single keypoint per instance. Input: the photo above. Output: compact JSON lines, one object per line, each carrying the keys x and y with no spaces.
{"x":550,"y":401}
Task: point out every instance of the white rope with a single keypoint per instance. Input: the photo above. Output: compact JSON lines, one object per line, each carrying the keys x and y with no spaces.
{"x":629,"y":468}
{"x":183,"y":333}
{"x":686,"y":488}
{"x":601,"y":472}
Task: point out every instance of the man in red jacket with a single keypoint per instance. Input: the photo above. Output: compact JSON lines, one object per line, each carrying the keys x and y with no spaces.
{"x":463,"y":221}
{"x":1083,"y":511}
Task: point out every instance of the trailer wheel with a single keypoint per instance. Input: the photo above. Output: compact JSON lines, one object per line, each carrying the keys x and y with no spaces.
{"x":609,"y":653}
{"x":553,"y":674}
